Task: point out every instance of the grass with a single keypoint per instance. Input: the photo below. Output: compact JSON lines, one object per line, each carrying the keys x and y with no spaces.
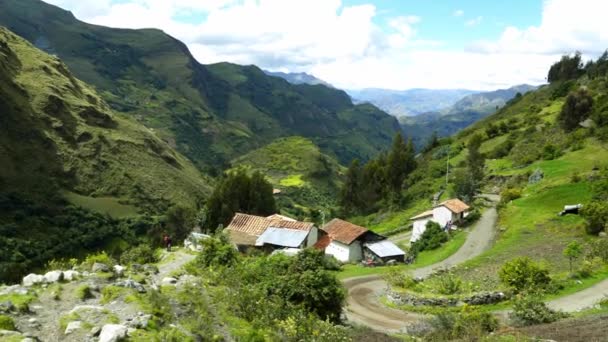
{"x":21,"y":302}
{"x":425,"y":258}
{"x":7,"y":323}
{"x":292,"y":181}
{"x":104,"y":205}
{"x":83,"y":292}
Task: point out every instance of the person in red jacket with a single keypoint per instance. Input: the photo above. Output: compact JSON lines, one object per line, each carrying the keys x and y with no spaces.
{"x":167,"y":241}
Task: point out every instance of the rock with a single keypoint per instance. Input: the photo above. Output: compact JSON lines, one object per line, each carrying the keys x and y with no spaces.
{"x":536,"y":176}
{"x":94,"y":287}
{"x":99,"y":267}
{"x":131,"y":331}
{"x":33,"y":279}
{"x":95,"y":331}
{"x":150,"y":269}
{"x":169,"y":281}
{"x":73,"y":326}
{"x":603,"y":234}
{"x":28,"y":339}
{"x":7,"y":306}
{"x":137,"y":267}
{"x":18,"y":289}
{"x":131,"y":284}
{"x":139,"y":322}
{"x":53,"y":277}
{"x":112,"y":333}
{"x":9,"y":333}
{"x":87,"y":307}
{"x":119,"y":270}
{"x":71,"y":275}
{"x":187,"y":279}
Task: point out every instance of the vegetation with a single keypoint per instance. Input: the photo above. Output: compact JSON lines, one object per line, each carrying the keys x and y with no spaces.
{"x":596,"y":214}
{"x":470,"y":324}
{"x":7,"y":323}
{"x":522,"y":274}
{"x":576,"y":109}
{"x":432,"y":238}
{"x":239,"y":192}
{"x":468,"y":183}
{"x":529,"y":310}
{"x":573,"y":251}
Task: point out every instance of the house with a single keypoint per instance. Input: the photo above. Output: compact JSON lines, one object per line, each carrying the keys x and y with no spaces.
{"x":384,"y":251}
{"x":452,"y":210}
{"x":247,"y":231}
{"x":345,"y":240}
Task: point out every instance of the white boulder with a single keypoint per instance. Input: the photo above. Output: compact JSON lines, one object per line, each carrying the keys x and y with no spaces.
{"x":112,"y":333}
{"x":169,"y":281}
{"x":33,"y":279}
{"x":119,"y":270}
{"x":99,"y":267}
{"x":73,"y":326}
{"x":53,"y":276}
{"x":71,"y":275}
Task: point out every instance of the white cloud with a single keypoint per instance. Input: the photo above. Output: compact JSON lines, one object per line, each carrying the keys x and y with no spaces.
{"x":565,"y":26}
{"x":348,"y":45}
{"x":474,"y":22}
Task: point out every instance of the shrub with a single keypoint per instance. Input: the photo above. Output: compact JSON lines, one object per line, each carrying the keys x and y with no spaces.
{"x":217,"y":252}
{"x":83,"y":292}
{"x":470,"y":324}
{"x":575,"y":177}
{"x":449,"y":284}
{"x":432,"y":238}
{"x":530,"y":310}
{"x":589,"y":267}
{"x":473,"y":216}
{"x":509,"y":195}
{"x":522,"y":274}
{"x":141,"y":254}
{"x":551,"y":152}
{"x":100,"y":257}
{"x":400,"y":279}
{"x":596,"y":214}
{"x":110,"y":292}
{"x":576,"y":109}
{"x":61,"y":264}
{"x":7,"y":323}
{"x":598,"y":249}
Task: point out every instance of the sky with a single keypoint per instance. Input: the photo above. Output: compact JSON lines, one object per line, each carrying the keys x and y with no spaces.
{"x":392,"y":44}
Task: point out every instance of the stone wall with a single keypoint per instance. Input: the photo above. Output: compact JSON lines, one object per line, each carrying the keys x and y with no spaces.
{"x":411,"y":299}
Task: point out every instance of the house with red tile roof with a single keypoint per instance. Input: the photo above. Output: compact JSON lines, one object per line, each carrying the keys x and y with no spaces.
{"x":451,"y":211}
{"x":249,"y":230}
{"x":345,"y":240}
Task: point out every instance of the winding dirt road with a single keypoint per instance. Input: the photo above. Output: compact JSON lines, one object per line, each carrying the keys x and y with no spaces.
{"x":363,"y":306}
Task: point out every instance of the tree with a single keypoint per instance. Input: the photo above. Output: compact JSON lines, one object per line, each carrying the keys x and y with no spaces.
{"x":596,"y":214}
{"x":180,"y":221}
{"x":350,"y":196}
{"x":573,"y":251}
{"x":568,"y":68}
{"x":523,"y":274}
{"x":467,"y":183}
{"x":239,"y":192}
{"x":400,"y":163}
{"x":576,"y":109}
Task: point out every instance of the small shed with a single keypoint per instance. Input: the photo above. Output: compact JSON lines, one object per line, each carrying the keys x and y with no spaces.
{"x":384,"y":250}
{"x":344,"y":240}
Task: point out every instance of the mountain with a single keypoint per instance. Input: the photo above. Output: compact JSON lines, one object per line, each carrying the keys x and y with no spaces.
{"x":298,"y":78}
{"x":210,"y":113}
{"x":409,"y":102}
{"x":71,"y":166}
{"x":461,"y":114}
{"x":308,"y":178}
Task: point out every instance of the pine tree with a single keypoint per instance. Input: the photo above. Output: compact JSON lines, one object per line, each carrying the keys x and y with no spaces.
{"x":400,"y":164}
{"x":350,"y":196}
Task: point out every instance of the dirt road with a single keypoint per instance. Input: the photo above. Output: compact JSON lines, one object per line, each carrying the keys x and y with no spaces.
{"x":363,"y":306}
{"x":582,"y":299}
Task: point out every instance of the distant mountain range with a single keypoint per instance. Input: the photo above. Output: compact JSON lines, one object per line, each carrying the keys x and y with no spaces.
{"x":298,"y":78}
{"x":461,"y":114}
{"x":410,"y":102}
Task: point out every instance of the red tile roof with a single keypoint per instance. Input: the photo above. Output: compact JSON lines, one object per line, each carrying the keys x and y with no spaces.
{"x":455,"y":205}
{"x":343,"y":231}
{"x":323,"y":242}
{"x":256,"y":225}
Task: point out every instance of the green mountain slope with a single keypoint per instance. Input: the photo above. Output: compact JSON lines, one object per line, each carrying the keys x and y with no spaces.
{"x":211,"y":114}
{"x":62,"y":148}
{"x":307,"y":178}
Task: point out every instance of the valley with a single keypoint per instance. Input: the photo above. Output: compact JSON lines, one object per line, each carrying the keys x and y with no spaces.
{"x":148,"y":196}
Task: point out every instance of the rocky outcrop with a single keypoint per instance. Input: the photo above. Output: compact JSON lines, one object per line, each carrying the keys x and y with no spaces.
{"x":119,"y":270}
{"x":131,"y":284}
{"x":112,"y":333}
{"x":99,"y":267}
{"x":53,"y":277}
{"x":33,"y":279}
{"x":536,"y":176}
{"x":411,"y":299}
{"x":73,"y":326}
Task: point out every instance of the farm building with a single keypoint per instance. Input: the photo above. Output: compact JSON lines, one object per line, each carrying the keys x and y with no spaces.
{"x":276,"y":231}
{"x":345,"y":240}
{"x":451,"y":211}
{"x":384,"y":251}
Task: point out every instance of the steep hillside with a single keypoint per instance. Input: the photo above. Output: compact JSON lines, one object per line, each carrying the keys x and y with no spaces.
{"x":298,"y":78}
{"x":60,"y":143}
{"x":411,"y":102}
{"x":307,"y":178}
{"x":450,"y":120}
{"x":211,"y":114}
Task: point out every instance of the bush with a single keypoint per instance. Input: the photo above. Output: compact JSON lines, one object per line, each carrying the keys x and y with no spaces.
{"x":576,"y":109}
{"x":110,"y":292}
{"x":449,"y":284}
{"x":530,"y":310}
{"x":141,"y":254}
{"x":509,"y":195}
{"x":7,"y":323}
{"x":470,"y":324}
{"x":598,"y":249}
{"x":596,"y":214}
{"x":100,"y":257}
{"x":401,"y":279}
{"x":432,"y":238}
{"x":522,"y":274}
{"x":217,"y":252}
{"x":473,"y":216}
{"x":551,"y":152}
{"x":83,"y":292}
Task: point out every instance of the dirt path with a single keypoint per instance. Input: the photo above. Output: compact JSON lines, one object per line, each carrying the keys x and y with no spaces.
{"x":363,"y":306}
{"x":172,"y":261}
{"x":582,"y":299}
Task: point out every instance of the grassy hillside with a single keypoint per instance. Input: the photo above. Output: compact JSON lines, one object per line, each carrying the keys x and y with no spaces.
{"x":307,"y":178}
{"x":61,"y":144}
{"x":211,"y":114}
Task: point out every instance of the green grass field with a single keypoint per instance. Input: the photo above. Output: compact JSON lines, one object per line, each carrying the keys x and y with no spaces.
{"x":103,"y":205}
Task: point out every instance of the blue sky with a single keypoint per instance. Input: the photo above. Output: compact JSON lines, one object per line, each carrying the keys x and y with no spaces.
{"x":373,"y":43}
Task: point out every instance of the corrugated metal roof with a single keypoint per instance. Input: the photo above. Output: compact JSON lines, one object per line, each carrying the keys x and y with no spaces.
{"x":455,"y":205}
{"x":424,"y":214}
{"x":282,"y":237}
{"x":384,"y":248}
{"x":343,"y":231}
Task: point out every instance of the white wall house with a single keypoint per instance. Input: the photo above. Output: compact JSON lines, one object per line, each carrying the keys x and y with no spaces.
{"x":344,"y":252}
{"x":343,"y":240}
{"x":453,"y":210}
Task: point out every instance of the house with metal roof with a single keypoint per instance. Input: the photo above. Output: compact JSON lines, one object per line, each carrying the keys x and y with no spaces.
{"x":276,"y":231}
{"x":344,"y":240}
{"x":452,"y":211}
{"x":384,"y":250}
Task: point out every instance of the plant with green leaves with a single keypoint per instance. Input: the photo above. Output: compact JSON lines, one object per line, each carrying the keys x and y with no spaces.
{"x":523,"y":274}
{"x":573,"y":251}
{"x":530,"y":310}
{"x":596,"y":214}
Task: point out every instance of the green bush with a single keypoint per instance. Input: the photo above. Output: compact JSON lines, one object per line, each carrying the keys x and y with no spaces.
{"x":7,"y":323}
{"x":83,"y":292}
{"x":432,"y":238}
{"x":551,"y":152}
{"x":509,"y":195}
{"x":449,"y":284}
{"x":110,"y":292}
{"x":470,"y":324}
{"x":576,"y":109}
{"x":217,"y":252}
{"x":100,"y":257}
{"x":522,"y":274}
{"x":141,"y":254}
{"x":530,"y":310}
{"x":598,"y":249}
{"x":596,"y":214}
{"x":400,"y":279}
